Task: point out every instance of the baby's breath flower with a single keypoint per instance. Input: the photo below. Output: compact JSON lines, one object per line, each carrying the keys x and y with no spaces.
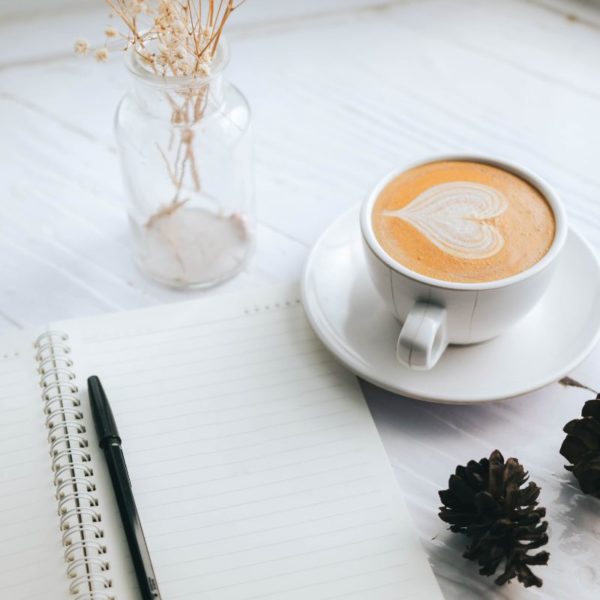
{"x":136,"y":7}
{"x":101,"y":55}
{"x":178,"y":27}
{"x":180,"y":53}
{"x":177,"y":39}
{"x":164,"y":49}
{"x":81,"y":47}
{"x":203,"y":69}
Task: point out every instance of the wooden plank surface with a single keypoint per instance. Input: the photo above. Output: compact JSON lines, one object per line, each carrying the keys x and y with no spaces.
{"x":331,"y":114}
{"x":38,"y":30}
{"x":341,"y":91}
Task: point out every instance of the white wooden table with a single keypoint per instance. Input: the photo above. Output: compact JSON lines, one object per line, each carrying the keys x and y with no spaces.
{"x":342,"y":90}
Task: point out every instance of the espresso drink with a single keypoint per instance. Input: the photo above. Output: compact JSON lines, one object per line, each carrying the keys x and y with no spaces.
{"x":463,"y":221}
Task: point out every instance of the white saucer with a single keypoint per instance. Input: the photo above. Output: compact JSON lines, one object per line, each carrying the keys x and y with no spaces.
{"x":351,"y":320}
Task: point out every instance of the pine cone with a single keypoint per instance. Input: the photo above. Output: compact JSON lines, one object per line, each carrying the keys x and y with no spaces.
{"x":581,"y":447}
{"x":486,"y":502}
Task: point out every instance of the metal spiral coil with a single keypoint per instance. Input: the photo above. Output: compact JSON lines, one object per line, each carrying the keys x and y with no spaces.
{"x":49,"y":363}
{"x":93,"y":581}
{"x":70,"y":552}
{"x":85,"y":531}
{"x":71,"y":462}
{"x":98,"y":596}
{"x":79,"y":440}
{"x":55,"y":431}
{"x":63,"y":489}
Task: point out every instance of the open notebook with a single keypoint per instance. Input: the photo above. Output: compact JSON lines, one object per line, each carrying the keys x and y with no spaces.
{"x":256,"y":466}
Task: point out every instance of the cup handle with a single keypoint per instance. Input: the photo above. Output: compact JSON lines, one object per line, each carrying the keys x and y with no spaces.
{"x":423,"y":337}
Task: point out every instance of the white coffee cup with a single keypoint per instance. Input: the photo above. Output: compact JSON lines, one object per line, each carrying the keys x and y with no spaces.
{"x":434,"y":312}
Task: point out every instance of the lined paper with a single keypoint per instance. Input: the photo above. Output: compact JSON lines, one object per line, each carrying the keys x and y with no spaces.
{"x":31,"y":561}
{"x":255,"y":463}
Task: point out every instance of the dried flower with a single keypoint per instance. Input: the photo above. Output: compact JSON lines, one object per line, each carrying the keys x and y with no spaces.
{"x":81,"y":47}
{"x":180,"y":39}
{"x":101,"y":55}
{"x":135,"y":7}
{"x":174,"y":38}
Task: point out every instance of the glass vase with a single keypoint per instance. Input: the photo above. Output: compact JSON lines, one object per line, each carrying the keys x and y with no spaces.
{"x":186,"y":154}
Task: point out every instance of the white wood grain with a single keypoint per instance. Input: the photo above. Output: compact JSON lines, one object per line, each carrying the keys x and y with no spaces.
{"x":40,"y":31}
{"x":420,"y":91}
{"x":584,"y":11}
{"x":341,"y":91}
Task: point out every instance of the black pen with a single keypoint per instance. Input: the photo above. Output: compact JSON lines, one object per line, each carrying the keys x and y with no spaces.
{"x":110,"y":442}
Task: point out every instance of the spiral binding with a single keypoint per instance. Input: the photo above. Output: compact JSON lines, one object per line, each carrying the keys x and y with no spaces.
{"x":80,"y":518}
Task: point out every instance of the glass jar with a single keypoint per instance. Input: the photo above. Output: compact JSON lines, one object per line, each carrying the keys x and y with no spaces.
{"x":186,"y":154}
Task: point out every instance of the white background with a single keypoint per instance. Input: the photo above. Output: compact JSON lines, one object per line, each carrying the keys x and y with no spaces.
{"x":341,"y":91}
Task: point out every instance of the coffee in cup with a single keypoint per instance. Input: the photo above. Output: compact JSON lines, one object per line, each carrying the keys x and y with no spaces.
{"x":463,"y":221}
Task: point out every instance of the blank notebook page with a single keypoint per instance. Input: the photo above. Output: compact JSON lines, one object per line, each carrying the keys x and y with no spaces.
{"x":254,"y":460}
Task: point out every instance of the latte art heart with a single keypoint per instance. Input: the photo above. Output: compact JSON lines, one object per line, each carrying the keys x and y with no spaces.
{"x":452,"y":216}
{"x":436,"y":221}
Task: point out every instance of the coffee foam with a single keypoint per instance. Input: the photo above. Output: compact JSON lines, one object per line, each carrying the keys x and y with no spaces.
{"x":452,"y":216}
{"x":463,"y":221}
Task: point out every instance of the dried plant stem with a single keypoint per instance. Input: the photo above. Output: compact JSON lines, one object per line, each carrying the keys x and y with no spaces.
{"x":176,"y":254}
{"x":193,"y":167}
{"x":185,"y":155}
{"x":175,"y":38}
{"x":167,"y":165}
{"x":570,"y":382}
{"x":166,"y":211}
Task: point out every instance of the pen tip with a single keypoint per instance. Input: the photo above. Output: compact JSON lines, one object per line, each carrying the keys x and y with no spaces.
{"x":103,"y":417}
